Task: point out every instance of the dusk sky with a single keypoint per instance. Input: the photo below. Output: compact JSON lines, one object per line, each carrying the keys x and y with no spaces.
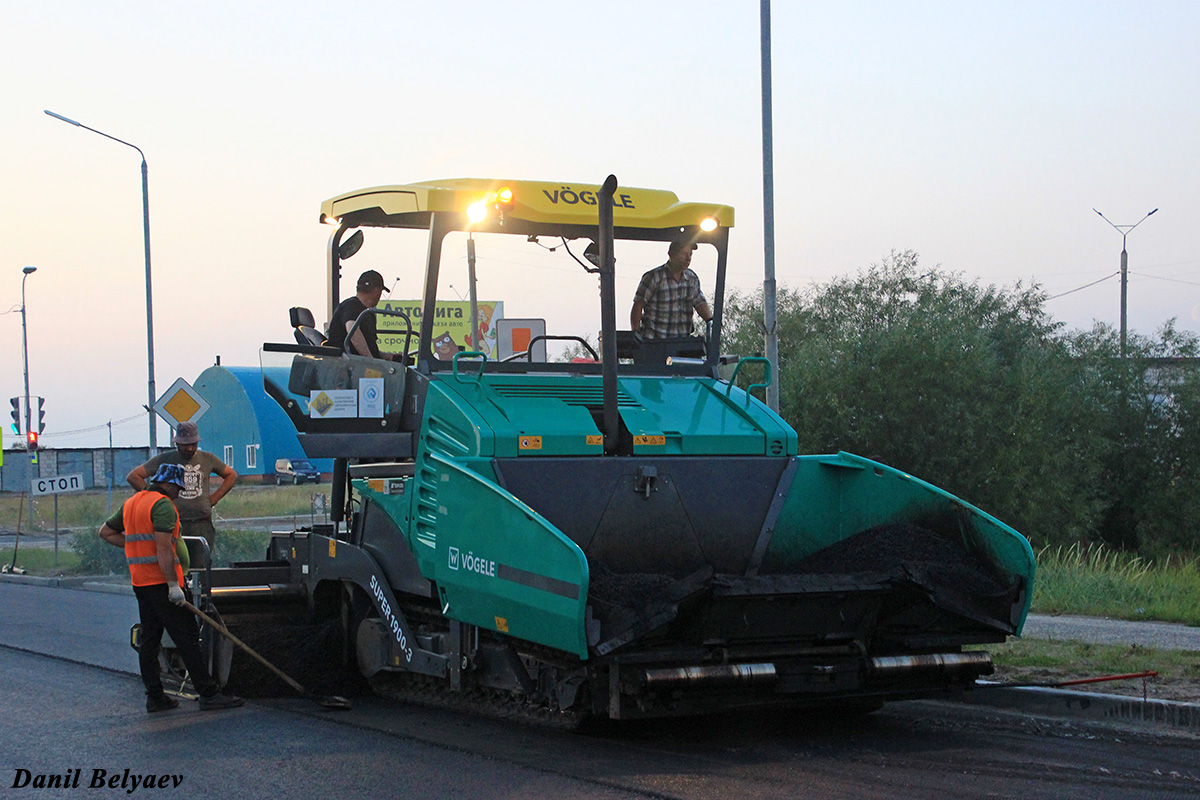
{"x":979,"y":135}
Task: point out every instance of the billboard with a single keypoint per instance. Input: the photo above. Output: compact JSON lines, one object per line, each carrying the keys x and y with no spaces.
{"x":451,"y":327}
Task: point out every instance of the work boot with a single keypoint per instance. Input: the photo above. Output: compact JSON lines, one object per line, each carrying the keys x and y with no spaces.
{"x":160,"y":702}
{"x":215,"y":702}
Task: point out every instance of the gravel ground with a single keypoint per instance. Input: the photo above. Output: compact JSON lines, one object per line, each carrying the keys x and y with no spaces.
{"x":1102,"y":630}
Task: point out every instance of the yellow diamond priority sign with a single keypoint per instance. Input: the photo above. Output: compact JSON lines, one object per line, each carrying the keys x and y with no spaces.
{"x":181,"y":403}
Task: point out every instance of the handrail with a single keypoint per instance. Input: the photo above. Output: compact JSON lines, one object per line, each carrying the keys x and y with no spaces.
{"x":752,"y":386}
{"x":387,"y":312}
{"x":545,"y":337}
{"x":470,"y":354}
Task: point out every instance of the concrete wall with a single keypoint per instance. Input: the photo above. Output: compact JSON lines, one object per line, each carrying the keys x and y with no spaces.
{"x":95,"y":466}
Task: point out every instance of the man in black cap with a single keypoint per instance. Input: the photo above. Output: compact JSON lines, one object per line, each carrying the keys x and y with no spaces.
{"x":195,"y":502}
{"x":663,"y":303}
{"x":367,"y":295}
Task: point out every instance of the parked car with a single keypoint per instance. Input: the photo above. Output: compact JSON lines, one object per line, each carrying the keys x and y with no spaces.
{"x":295,"y":470}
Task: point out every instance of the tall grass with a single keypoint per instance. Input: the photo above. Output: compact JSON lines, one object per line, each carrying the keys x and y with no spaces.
{"x":1102,"y":582}
{"x":40,"y":560}
{"x":270,"y":501}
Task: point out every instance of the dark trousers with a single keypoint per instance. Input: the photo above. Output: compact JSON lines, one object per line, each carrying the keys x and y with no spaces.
{"x":158,"y":613}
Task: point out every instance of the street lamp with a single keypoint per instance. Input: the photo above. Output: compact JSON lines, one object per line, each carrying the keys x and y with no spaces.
{"x":149,"y":301}
{"x":770,"y":292}
{"x":1124,"y":230}
{"x":25,"y":352}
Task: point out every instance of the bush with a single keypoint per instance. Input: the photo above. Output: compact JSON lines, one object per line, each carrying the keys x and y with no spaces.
{"x":96,"y":556}
{"x":966,"y":386}
{"x":240,"y":545}
{"x":1148,"y":411}
{"x":977,"y":390}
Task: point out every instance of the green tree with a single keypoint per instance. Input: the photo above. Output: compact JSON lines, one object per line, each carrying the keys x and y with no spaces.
{"x":970,"y":387}
{"x":1147,"y":406}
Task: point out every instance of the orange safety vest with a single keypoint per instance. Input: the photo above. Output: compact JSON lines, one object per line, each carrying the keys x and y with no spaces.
{"x":141,"y":552}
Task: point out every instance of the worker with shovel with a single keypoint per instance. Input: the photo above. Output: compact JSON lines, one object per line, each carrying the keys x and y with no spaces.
{"x":147,"y":526}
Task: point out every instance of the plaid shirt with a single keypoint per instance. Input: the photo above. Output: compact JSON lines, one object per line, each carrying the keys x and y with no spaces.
{"x":668,"y":303}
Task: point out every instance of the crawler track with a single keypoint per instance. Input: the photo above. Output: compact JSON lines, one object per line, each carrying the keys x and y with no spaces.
{"x":492,"y":703}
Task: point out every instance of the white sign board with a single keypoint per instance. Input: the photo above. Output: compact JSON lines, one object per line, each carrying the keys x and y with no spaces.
{"x":370,"y":397}
{"x":514,"y":336}
{"x":59,"y":484}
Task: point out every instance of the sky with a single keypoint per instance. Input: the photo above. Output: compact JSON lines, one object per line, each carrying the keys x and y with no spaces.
{"x":981,"y":136}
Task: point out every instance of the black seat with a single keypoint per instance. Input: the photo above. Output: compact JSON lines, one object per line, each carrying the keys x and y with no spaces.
{"x":657,"y":351}
{"x":305,"y":326}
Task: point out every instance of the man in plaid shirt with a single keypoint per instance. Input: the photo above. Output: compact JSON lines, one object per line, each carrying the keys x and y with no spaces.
{"x":663,"y":303}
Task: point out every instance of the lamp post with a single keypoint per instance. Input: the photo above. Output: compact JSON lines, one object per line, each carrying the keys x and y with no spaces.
{"x":1124,"y":230}
{"x":149,"y":298}
{"x":25,"y":351}
{"x":770,"y":307}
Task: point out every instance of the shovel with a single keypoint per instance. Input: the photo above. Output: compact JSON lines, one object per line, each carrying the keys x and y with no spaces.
{"x":330,"y":701}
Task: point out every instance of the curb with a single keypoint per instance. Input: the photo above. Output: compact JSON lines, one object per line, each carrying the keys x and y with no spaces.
{"x":1093,"y":706}
{"x":87,"y":583}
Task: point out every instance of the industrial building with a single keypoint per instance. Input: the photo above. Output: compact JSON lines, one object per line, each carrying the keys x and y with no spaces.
{"x":243,"y":427}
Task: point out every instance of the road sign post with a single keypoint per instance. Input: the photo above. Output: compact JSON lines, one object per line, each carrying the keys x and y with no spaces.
{"x":180,"y":403}
{"x":59,"y":484}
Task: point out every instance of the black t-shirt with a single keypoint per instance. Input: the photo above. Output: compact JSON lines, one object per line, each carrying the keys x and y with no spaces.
{"x":348,"y":311}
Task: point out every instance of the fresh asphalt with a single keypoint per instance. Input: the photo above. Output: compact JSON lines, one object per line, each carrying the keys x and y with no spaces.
{"x":71,"y":700}
{"x":110,"y":649}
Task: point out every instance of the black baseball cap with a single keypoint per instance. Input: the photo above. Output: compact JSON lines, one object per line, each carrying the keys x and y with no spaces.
{"x":371,"y":280}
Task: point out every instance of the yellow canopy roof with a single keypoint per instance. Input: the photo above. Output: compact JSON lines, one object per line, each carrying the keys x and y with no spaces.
{"x":407,"y":206}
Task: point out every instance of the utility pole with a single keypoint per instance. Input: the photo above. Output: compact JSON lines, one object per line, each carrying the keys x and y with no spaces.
{"x":1124,"y":230}
{"x":112,"y":466}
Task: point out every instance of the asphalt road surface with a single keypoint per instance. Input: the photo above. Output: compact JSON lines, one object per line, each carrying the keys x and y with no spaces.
{"x":70,"y":701}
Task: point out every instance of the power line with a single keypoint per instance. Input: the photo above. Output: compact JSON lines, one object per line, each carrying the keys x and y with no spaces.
{"x":1086,"y":285}
{"x":1160,"y":278}
{"x":94,"y":428}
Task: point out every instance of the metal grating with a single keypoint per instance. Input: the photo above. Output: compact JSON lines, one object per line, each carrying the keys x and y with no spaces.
{"x":586,"y":396}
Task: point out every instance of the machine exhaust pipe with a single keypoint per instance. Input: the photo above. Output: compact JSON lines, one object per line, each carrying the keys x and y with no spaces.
{"x":953,"y":664}
{"x":721,"y":675}
{"x":608,"y":314}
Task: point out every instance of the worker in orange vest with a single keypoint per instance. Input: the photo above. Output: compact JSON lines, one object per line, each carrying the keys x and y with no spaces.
{"x":147,"y":526}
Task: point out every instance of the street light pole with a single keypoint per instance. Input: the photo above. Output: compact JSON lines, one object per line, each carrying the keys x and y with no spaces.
{"x":151,"y":394}
{"x":25,"y":351}
{"x":770,"y":309}
{"x":1124,"y":230}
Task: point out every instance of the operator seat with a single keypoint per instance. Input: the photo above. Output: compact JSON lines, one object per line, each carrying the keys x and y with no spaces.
{"x":305,"y":327}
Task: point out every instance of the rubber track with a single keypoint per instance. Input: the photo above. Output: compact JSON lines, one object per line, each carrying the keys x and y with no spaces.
{"x":426,"y":690}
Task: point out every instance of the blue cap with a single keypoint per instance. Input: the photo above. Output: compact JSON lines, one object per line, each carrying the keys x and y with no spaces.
{"x":169,"y":473}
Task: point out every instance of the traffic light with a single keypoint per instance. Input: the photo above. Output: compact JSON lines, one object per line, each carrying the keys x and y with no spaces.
{"x":41,"y":426}
{"x":31,"y":441}
{"x":16,"y":414}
